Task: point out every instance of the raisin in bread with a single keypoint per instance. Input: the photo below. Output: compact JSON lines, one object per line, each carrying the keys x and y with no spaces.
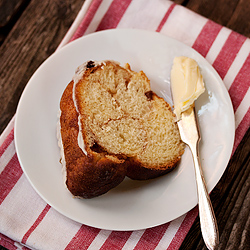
{"x":113,"y":125}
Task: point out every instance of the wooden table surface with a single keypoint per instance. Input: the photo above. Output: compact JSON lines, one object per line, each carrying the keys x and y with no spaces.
{"x":31,"y":30}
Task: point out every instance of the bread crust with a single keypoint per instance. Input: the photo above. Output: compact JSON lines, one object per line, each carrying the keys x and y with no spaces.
{"x":87,"y":176}
{"x":138,"y":171}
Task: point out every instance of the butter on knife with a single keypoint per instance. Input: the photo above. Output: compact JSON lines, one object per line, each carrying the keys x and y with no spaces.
{"x":186,"y":83}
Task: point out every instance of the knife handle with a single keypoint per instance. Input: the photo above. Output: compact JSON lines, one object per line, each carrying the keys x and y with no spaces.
{"x":208,"y":222}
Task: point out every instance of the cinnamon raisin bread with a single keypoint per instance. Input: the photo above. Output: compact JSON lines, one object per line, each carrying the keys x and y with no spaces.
{"x":113,"y":125}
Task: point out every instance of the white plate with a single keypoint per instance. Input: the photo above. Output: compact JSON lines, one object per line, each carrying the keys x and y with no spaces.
{"x":133,"y":204}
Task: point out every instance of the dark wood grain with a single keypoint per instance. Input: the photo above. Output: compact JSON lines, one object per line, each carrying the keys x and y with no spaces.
{"x":30,"y":31}
{"x":240,"y":20}
{"x":11,"y":8}
{"x":10,"y":13}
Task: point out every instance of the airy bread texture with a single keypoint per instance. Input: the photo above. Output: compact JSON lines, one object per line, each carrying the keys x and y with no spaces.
{"x":125,"y":129}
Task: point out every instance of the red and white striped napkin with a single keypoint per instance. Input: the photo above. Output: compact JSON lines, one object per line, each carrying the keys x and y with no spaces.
{"x":27,"y":222}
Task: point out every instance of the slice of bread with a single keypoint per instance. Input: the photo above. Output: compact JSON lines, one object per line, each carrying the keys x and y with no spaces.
{"x":89,"y":175}
{"x":112,"y":126}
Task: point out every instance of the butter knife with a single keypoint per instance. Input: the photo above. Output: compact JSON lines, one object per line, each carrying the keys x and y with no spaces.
{"x":189,"y":131}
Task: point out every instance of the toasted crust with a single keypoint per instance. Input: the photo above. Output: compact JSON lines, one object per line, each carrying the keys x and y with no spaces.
{"x":121,"y":137}
{"x":139,"y":171}
{"x":87,"y":176}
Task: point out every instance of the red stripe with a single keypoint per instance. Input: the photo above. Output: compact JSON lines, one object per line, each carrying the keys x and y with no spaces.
{"x":9,"y":177}
{"x":184,"y":229}
{"x":7,"y":142}
{"x":87,"y":19}
{"x":228,"y":53}
{"x":114,"y":14}
{"x":151,"y":237}
{"x":206,"y":37}
{"x":240,"y":84}
{"x":36,"y":223}
{"x":83,"y":238}
{"x":7,"y":242}
{"x":241,"y":130}
{"x":163,"y":21}
{"x":116,"y":240}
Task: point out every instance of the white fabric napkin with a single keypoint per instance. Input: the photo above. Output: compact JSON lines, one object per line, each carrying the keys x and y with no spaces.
{"x":28,"y":222}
